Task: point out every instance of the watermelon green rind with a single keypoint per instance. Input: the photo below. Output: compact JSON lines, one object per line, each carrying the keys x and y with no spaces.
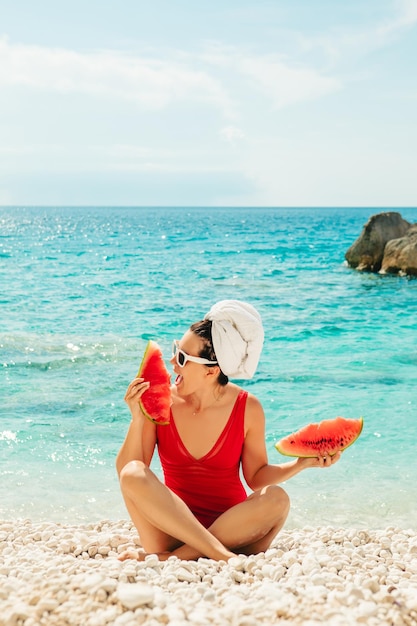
{"x":325,"y":437}
{"x":155,"y":403}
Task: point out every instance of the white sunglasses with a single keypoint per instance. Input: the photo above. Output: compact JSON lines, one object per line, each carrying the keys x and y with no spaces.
{"x":182,"y":357}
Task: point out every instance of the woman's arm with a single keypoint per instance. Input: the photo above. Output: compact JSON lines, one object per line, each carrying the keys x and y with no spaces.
{"x":139,"y":443}
{"x":257,"y":471}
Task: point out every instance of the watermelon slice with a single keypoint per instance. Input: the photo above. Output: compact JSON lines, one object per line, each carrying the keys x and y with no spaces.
{"x":326,"y":437}
{"x":156,"y":401}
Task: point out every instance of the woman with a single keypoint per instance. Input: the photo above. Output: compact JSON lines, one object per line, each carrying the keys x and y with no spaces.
{"x":216,"y":430}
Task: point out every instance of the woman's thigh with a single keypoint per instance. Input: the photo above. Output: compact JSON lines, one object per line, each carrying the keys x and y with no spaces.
{"x":257,"y":519}
{"x":152,"y":538}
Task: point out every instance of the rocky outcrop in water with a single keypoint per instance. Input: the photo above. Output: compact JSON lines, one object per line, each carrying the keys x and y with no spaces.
{"x":387,"y":244}
{"x":400,"y":255}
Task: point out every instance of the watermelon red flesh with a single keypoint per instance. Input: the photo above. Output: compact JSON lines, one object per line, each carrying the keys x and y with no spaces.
{"x":325,"y":438}
{"x":156,"y":401}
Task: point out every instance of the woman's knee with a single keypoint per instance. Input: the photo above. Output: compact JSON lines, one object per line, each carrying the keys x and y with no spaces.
{"x":134,"y":474}
{"x":277,"y":500}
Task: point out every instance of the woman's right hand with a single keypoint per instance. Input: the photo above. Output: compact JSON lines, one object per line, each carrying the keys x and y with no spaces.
{"x":136,"y":389}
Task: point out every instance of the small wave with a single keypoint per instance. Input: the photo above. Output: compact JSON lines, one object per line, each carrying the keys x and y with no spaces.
{"x":59,"y":363}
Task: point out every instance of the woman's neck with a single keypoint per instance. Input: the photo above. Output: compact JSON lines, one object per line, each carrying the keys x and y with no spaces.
{"x":203,"y":402}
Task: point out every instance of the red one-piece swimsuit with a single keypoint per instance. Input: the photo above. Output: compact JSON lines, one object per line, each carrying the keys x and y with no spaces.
{"x":210,"y":485}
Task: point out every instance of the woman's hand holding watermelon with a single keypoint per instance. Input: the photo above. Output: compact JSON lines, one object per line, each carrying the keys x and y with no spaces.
{"x":132,"y":447}
{"x":319,"y":461}
{"x":134,"y":392}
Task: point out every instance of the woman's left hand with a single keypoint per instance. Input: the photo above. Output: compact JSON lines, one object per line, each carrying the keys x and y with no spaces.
{"x":320,"y":461}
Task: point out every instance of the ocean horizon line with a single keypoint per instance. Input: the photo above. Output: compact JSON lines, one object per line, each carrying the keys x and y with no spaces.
{"x":211,"y":207}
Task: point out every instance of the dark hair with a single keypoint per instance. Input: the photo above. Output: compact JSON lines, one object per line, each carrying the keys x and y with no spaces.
{"x":203,"y":330}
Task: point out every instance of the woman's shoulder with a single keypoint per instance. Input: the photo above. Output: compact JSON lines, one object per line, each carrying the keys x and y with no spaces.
{"x":254,"y":413}
{"x":253,"y":406}
{"x":253,"y":402}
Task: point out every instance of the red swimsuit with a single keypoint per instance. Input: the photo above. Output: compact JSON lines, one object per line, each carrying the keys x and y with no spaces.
{"x":210,"y":485}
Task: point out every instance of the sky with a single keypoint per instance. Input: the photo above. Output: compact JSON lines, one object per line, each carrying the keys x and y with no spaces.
{"x":208,"y":102}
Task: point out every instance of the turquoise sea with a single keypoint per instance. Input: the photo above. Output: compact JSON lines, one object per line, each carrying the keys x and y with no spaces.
{"x":83,"y":289}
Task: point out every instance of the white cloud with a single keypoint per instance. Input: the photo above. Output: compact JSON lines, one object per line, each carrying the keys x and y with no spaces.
{"x":151,"y":83}
{"x":231,"y":134}
{"x":407,"y":13}
{"x":282,"y":82}
{"x":154,"y":83}
{"x":346,"y":43}
{"x":387,"y":30}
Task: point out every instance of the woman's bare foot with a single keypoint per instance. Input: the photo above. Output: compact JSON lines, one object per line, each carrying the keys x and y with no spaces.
{"x":139,"y":555}
{"x":136,"y":555}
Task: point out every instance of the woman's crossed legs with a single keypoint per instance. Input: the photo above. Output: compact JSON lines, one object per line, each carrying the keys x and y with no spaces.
{"x":167,"y":527}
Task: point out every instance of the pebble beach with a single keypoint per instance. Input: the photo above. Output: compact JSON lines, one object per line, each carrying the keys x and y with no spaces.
{"x":56,"y":574}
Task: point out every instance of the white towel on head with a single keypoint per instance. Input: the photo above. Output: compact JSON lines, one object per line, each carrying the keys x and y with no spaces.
{"x":237,"y":336}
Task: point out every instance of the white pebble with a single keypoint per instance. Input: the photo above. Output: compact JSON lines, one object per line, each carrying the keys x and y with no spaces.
{"x":237,"y":562}
{"x":309,"y":565}
{"x":47,"y":604}
{"x":366,"y":610}
{"x":152,"y":560}
{"x":184,"y":574}
{"x":133,"y":595}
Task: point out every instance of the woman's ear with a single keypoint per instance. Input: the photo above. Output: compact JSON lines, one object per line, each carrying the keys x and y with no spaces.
{"x":214,"y":370}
